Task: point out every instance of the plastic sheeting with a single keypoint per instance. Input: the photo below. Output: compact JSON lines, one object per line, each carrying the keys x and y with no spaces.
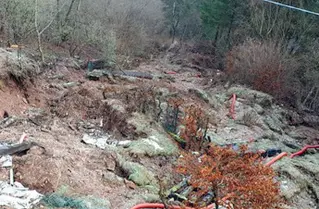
{"x":17,"y":196}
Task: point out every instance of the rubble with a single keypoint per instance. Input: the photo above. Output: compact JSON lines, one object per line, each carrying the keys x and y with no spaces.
{"x":104,"y":141}
{"x":79,"y":129}
{"x":17,"y":196}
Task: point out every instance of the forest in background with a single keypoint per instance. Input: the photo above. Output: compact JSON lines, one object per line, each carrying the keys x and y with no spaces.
{"x":258,"y":44}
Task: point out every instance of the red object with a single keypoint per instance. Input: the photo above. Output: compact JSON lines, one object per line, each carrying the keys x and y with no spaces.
{"x":198,"y":75}
{"x":278,"y":157}
{"x":232,"y":107}
{"x":171,"y":73}
{"x":158,"y":205}
{"x":303,"y":150}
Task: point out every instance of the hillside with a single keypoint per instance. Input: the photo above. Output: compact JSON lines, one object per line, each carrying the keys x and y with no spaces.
{"x":103,"y":137}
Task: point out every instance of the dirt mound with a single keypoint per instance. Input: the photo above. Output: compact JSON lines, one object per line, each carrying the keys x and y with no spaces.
{"x":76,"y":103}
{"x":17,"y":66}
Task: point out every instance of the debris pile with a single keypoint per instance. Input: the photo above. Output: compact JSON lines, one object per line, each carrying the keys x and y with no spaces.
{"x":14,"y":194}
{"x":17,"y":196}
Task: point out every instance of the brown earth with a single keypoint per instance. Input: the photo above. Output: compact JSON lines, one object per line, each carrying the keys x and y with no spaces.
{"x":61,"y":105}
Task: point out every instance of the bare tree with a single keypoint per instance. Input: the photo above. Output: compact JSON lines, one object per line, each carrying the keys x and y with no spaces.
{"x":40,"y":31}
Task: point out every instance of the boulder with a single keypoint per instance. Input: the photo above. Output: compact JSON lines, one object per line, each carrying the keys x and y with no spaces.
{"x":156,"y":144}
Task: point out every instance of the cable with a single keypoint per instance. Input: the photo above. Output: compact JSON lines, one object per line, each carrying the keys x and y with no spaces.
{"x":291,"y":7}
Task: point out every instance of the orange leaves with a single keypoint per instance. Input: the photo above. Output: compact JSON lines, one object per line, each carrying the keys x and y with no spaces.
{"x":194,"y":123}
{"x":241,"y":178}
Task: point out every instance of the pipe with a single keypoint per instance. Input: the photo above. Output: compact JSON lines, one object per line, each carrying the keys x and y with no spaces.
{"x":162,"y":206}
{"x":278,"y":157}
{"x":303,"y":150}
{"x":171,"y":73}
{"x":232,"y":107}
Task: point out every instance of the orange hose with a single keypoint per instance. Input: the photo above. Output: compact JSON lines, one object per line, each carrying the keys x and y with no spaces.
{"x":303,"y":150}
{"x":158,"y":205}
{"x":278,"y":157}
{"x":232,"y":107}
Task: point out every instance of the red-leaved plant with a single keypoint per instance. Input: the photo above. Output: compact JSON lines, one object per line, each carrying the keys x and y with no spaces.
{"x":237,"y":178}
{"x":195,"y":125}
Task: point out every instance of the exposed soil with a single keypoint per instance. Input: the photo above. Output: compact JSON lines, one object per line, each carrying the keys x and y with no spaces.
{"x":71,"y":106}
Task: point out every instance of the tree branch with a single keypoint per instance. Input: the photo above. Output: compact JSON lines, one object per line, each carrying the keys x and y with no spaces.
{"x":53,"y":18}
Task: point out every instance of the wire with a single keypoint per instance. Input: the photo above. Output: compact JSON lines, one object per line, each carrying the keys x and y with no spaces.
{"x":291,"y":7}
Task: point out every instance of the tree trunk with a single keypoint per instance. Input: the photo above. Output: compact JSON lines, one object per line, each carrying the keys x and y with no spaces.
{"x":216,"y":35}
{"x":40,"y":47}
{"x":38,"y":31}
{"x":59,"y":23}
{"x":69,"y":12}
{"x":175,"y":22}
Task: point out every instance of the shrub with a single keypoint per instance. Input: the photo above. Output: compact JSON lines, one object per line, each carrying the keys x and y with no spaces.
{"x":238,"y":178}
{"x":263,"y":65}
{"x":17,"y":67}
{"x":195,"y":126}
{"x":309,"y":77}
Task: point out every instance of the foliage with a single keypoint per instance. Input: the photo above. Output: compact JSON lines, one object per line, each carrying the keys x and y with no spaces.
{"x":238,"y":178}
{"x":268,"y":21}
{"x":183,"y":18}
{"x":309,"y":77}
{"x":121,"y":30}
{"x":17,"y":19}
{"x":216,"y":14}
{"x":113,"y":27}
{"x":263,"y":65}
{"x":195,"y":126}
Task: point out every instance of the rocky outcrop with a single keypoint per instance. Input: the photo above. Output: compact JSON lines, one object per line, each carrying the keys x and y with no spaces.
{"x":256,"y":97}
